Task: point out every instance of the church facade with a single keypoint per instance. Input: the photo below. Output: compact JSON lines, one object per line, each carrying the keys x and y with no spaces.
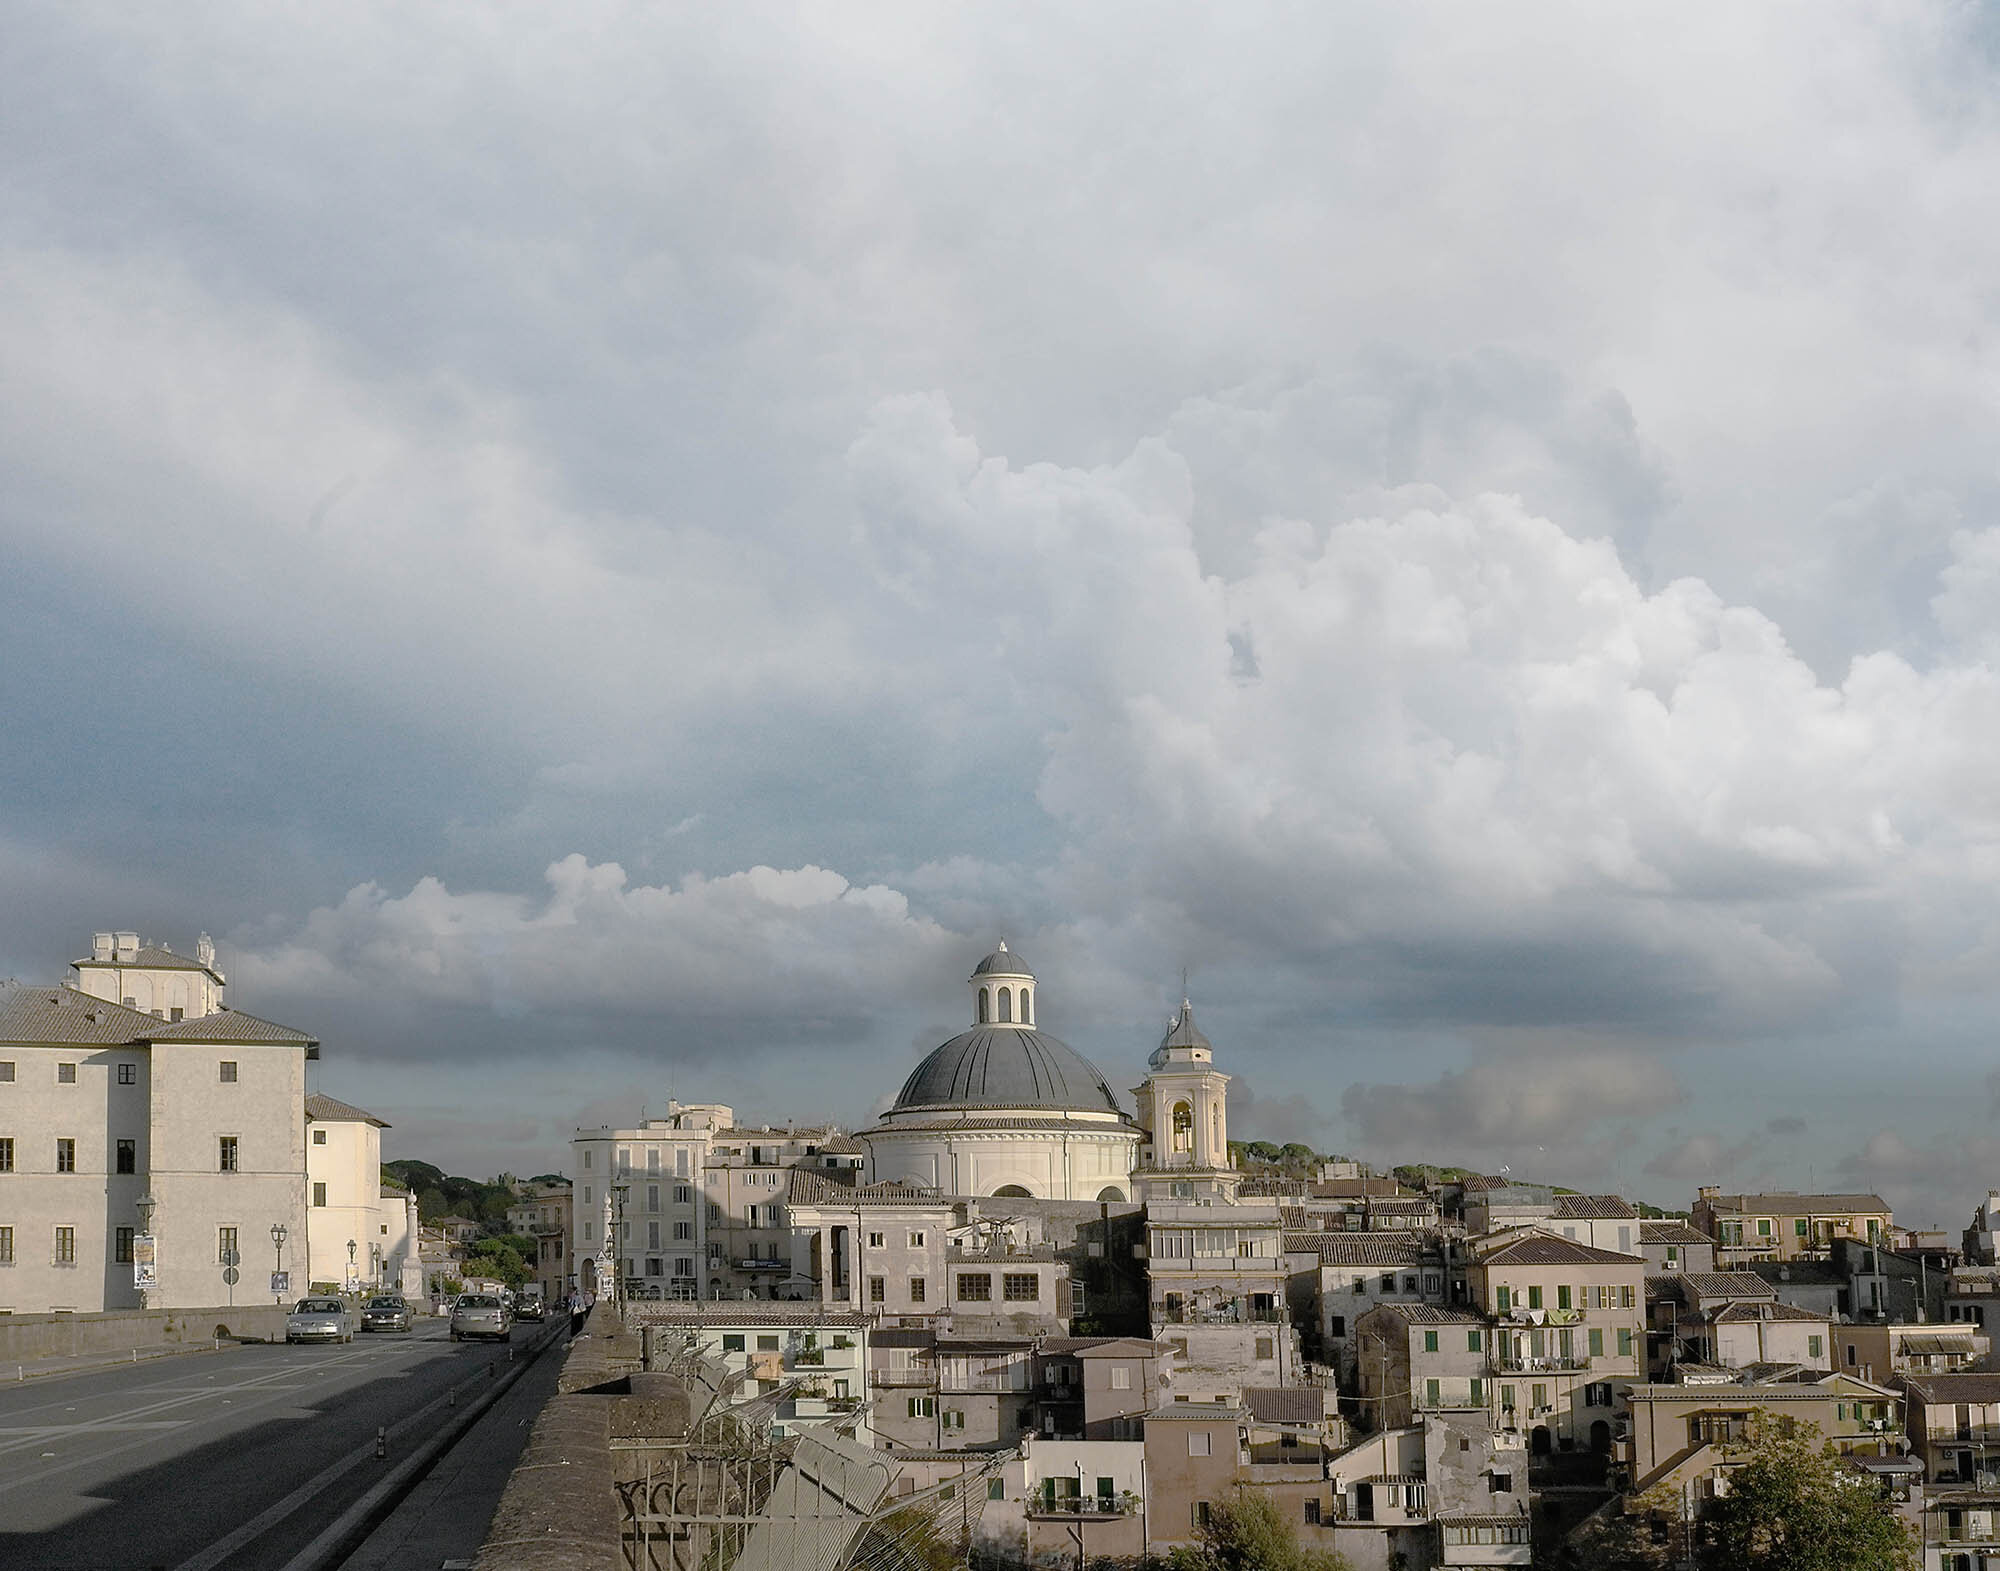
{"x":1006,"y":1109}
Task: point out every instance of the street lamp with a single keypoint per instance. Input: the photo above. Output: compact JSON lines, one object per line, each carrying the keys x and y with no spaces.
{"x":145,"y":1204}
{"x":279,"y":1233}
{"x":618,"y":1194}
{"x":351,"y":1278}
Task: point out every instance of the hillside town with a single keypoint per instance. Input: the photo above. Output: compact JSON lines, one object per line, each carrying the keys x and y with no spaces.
{"x":1112,"y":1321}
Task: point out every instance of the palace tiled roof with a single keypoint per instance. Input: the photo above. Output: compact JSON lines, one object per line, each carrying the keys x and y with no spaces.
{"x":809,"y":1187}
{"x":1542,"y":1249}
{"x":1708,"y":1284}
{"x":1105,"y":1347}
{"x":1608,"y":1208}
{"x":1799,"y":1205}
{"x":64,"y":1017}
{"x":1357,"y":1249}
{"x":1286,"y":1404}
{"x":1671,"y":1232}
{"x":1430,"y":1314}
{"x":230,"y":1026}
{"x":148,"y":957}
{"x":1740,"y":1311}
{"x":1973,"y":1390}
{"x":325,"y":1110}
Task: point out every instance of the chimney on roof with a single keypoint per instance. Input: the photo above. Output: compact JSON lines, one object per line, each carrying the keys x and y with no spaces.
{"x":127,"y":945}
{"x":100,"y":949}
{"x":204,"y":951}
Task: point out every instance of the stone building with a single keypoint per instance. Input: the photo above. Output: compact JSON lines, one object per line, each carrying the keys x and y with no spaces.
{"x":347,"y":1202}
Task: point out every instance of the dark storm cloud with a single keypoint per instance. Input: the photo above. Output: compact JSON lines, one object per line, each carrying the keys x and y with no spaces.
{"x":660,"y":534}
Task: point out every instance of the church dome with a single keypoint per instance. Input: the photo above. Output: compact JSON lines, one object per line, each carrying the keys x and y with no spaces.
{"x":1003,"y":962}
{"x":1007,"y":1066}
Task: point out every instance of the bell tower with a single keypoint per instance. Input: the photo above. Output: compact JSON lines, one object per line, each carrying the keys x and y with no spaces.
{"x":1184,"y":1150}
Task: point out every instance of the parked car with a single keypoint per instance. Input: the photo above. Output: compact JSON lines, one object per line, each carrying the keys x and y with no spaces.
{"x":481,"y":1314}
{"x":319,"y":1320}
{"x":387,"y":1312}
{"x":530,"y":1307}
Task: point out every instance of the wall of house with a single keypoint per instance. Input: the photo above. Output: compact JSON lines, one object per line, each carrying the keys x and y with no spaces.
{"x":1177,"y":1477}
{"x":345,"y":1155}
{"x":36,"y":1109}
{"x":1774,"y":1342}
{"x":1216,"y":1362}
{"x":191,"y":1107}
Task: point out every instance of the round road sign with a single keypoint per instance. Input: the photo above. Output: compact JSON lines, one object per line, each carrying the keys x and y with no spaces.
{"x":231,"y":1275}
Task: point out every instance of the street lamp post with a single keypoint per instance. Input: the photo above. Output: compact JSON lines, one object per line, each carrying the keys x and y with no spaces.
{"x":279,"y":1233}
{"x":145,"y":1205}
{"x":618,"y":1194}
{"x":351,"y":1278}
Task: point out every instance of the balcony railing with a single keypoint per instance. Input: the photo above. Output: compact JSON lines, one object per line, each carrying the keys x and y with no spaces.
{"x":1551,"y":1364}
{"x":1083,"y":1505}
{"x":1188,"y":1316}
{"x":905,"y":1378}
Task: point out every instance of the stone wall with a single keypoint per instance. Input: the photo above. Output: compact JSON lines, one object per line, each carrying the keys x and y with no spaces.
{"x":25,"y":1337}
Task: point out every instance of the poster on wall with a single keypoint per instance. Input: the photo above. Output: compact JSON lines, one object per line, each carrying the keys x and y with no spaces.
{"x":145,"y":1261}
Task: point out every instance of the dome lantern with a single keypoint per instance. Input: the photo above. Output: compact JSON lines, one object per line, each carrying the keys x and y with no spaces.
{"x":1003,"y":990}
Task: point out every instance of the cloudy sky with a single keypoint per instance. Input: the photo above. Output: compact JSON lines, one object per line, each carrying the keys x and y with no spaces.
{"x":608,"y":553}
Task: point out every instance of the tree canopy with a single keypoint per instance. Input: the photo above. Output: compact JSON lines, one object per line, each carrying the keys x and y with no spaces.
{"x":1247,"y":1532}
{"x":1794,"y":1505}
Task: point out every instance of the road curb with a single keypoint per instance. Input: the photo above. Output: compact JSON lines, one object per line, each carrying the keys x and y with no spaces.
{"x":352,"y":1526}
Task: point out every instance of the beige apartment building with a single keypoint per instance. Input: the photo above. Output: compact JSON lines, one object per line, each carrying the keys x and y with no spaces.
{"x":878,"y":1248}
{"x":638,"y":1209}
{"x":115,"y":1119}
{"x":545,"y":1212}
{"x":1568,"y":1328}
{"x":1421,"y":1358}
{"x":1681,"y":1436}
{"x":1785,"y":1226}
{"x":1194,"y":1454}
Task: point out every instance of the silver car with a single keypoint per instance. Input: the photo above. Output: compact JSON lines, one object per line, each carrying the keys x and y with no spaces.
{"x":481,"y":1314}
{"x":319,"y":1320}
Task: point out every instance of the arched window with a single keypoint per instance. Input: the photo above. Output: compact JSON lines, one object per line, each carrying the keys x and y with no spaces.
{"x":1027,"y":1008}
{"x":1183,"y":1120}
{"x":1011,"y":1191}
{"x":1111,"y":1192}
{"x":984,"y":1000}
{"x":1007,"y":1004}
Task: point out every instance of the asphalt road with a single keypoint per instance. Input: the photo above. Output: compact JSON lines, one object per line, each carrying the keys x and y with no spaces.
{"x":221,"y":1462}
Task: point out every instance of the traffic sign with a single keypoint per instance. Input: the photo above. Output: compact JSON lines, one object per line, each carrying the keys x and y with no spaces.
{"x":231,"y":1258}
{"x":231,"y":1275}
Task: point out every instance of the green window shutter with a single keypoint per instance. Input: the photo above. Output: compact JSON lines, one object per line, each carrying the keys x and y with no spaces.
{"x":1562,"y":1295}
{"x":1624,"y":1341}
{"x":1478,"y":1392}
{"x":1535,"y":1297}
{"x":1430,"y":1393}
{"x":1596,"y":1342}
{"x":1799,"y":1228}
{"x":1503,"y":1298}
{"x":1472,"y":1341}
{"x":1430,"y":1341}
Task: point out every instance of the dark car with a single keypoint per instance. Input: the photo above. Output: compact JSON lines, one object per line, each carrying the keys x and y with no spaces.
{"x":529,"y":1307}
{"x":386,"y":1313}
